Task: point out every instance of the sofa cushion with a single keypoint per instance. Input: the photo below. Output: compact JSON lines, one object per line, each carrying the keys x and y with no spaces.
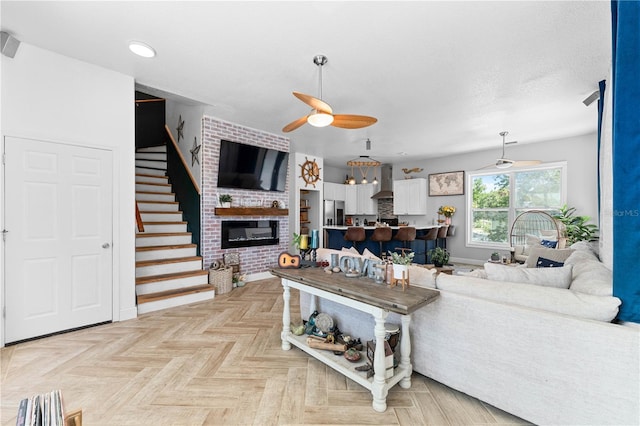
{"x":544,"y":298}
{"x":546,"y":277}
{"x":420,"y":276}
{"x":548,"y":243}
{"x":557,"y":255}
{"x":590,"y":276}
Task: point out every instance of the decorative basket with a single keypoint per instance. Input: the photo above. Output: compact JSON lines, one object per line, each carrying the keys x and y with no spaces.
{"x":221,"y":279}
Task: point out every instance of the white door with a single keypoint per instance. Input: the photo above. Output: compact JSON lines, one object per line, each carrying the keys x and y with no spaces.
{"x":58,"y":257}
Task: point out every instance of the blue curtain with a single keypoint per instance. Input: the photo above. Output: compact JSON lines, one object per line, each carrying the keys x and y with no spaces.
{"x":602,"y":87}
{"x":625,"y":23}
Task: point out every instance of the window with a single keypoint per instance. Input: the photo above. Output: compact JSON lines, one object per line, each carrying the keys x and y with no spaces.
{"x":499,"y":196}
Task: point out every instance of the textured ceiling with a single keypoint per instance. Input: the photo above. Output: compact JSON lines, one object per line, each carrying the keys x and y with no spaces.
{"x":441,"y":77}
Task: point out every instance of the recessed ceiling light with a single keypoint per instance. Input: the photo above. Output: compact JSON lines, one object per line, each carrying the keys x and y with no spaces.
{"x":142,"y":49}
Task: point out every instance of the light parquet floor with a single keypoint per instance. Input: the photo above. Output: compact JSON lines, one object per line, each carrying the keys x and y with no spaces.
{"x":214,"y":362}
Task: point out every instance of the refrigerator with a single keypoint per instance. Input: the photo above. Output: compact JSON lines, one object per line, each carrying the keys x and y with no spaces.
{"x":333,"y":213}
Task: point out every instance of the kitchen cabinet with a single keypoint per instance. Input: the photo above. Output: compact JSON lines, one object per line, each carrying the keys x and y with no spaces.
{"x":334,"y":191}
{"x":410,"y":196}
{"x":365,"y":204}
{"x":358,"y":200}
{"x":350,"y":199}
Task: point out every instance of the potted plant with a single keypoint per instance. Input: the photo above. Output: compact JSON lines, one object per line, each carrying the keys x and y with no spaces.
{"x":401,"y":264}
{"x":447,"y":212}
{"x":495,"y":256}
{"x":439,"y":256}
{"x":225,"y":200}
{"x":238,"y":280}
{"x":576,"y":227}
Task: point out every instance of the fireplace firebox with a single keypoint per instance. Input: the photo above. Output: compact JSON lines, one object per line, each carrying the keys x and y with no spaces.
{"x":249,"y":233}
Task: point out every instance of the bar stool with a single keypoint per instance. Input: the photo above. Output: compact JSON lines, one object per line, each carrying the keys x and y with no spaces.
{"x":442,"y":236}
{"x":406,"y":234}
{"x":355,"y":234}
{"x":431,"y":235}
{"x":381,"y":234}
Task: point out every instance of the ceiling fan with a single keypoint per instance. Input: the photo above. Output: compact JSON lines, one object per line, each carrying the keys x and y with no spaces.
{"x":505,"y":163}
{"x":321,"y":114}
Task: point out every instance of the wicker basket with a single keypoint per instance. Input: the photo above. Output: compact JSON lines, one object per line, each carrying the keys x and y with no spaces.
{"x":221,"y":279}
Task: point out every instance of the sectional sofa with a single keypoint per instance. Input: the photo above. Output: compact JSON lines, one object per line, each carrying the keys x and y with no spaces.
{"x":547,"y":354}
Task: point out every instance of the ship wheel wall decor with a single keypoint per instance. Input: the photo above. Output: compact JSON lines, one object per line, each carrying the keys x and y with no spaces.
{"x":309,"y":172}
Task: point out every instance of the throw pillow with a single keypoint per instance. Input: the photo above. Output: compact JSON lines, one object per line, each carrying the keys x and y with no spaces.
{"x":548,"y":263}
{"x":548,"y":243}
{"x":557,"y":255}
{"x":545,"y":277}
{"x":352,"y":250}
{"x":530,"y":242}
{"x":367,"y":253}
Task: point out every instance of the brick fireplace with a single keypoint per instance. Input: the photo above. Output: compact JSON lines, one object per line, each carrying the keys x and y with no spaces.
{"x":253,"y":258}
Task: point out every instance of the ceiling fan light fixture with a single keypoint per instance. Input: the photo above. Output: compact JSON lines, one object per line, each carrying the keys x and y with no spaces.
{"x":319,"y":119}
{"x":501,"y":164}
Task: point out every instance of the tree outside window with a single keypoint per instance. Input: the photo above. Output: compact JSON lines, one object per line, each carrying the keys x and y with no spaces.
{"x":498,"y":198}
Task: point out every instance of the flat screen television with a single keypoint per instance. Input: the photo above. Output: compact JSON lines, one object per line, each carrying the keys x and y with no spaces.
{"x":252,"y":167}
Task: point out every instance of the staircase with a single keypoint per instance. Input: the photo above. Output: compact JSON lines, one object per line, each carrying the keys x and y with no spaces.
{"x":168,"y":272}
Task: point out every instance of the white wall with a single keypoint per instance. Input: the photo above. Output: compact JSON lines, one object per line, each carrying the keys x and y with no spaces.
{"x":54,"y":98}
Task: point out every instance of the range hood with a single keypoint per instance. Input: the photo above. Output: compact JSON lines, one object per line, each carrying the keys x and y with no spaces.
{"x":386,"y":183}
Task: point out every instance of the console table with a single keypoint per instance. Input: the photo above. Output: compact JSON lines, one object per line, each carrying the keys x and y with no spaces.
{"x":365,"y":295}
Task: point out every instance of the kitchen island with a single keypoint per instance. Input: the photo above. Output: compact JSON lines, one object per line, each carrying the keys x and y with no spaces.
{"x":334,"y":239}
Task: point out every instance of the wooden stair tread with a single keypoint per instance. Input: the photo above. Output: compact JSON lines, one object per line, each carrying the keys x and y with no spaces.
{"x":160,"y":211}
{"x":162,"y":234}
{"x":141,"y":263}
{"x":156,"y":202}
{"x":168,"y":247}
{"x":153,"y":297}
{"x":153,"y":183}
{"x":166,"y":277}
{"x":161,"y":222}
{"x":151,"y":176}
{"x":153,"y":193}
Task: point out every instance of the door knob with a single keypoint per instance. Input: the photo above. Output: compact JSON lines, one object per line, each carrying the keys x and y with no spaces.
{"x":106,"y":245}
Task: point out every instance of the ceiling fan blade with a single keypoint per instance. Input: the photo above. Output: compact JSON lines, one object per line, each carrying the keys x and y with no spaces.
{"x":294,"y":124}
{"x":314,"y":103}
{"x":351,"y":121}
{"x":526,"y":163}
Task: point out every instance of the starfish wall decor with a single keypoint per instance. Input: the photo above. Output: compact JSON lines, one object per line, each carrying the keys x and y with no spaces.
{"x":180,"y":128}
{"x":194,"y":152}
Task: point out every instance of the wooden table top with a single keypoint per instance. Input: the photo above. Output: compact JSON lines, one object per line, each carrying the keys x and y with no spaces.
{"x":362,"y":289}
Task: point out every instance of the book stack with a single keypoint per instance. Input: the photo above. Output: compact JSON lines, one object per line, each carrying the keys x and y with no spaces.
{"x":41,"y":410}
